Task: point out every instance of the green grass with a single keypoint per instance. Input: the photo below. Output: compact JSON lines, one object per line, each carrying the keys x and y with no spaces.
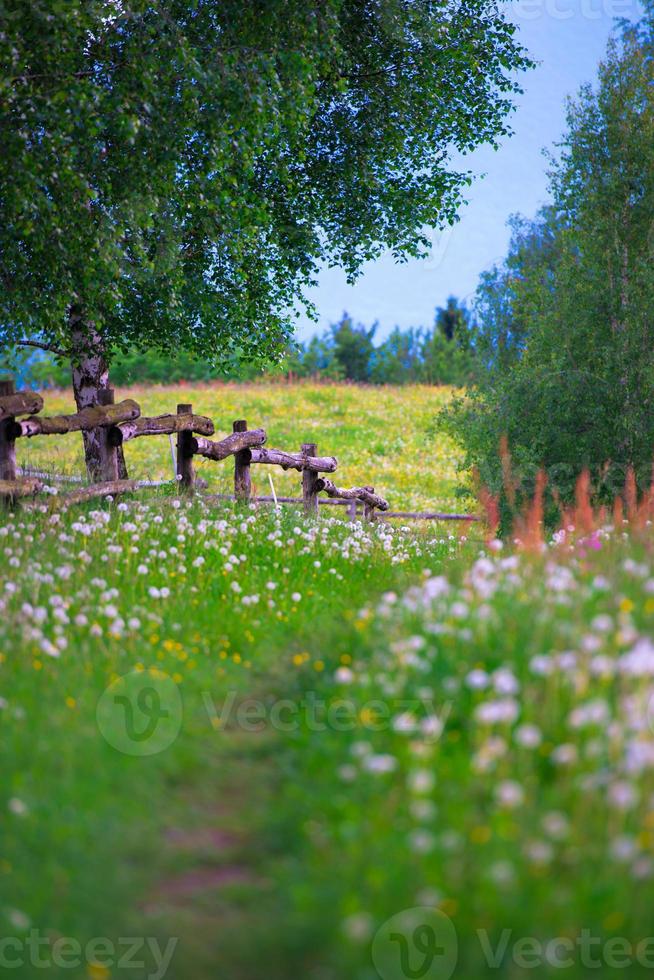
{"x":528,"y":819}
{"x":85,"y":851}
{"x":399,"y":719}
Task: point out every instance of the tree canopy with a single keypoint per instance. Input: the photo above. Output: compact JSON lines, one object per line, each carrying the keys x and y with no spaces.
{"x":175,"y":170}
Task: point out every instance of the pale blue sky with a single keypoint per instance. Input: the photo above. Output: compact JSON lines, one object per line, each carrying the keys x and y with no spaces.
{"x":567,"y":38}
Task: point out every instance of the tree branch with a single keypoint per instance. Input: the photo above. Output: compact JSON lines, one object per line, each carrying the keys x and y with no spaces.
{"x":32,"y":76}
{"x":41,"y":346}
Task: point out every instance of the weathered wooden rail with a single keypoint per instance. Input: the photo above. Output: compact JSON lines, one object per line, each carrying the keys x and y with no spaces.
{"x":121,"y":422}
{"x":294,"y":461}
{"x":96,"y":417}
{"x":160,"y":425}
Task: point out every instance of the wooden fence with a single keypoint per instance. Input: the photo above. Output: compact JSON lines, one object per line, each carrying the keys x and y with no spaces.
{"x":120,"y":423}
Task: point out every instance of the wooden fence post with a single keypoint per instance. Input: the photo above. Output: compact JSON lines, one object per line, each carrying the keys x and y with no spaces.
{"x":185,"y":470}
{"x":113,"y":462}
{"x":242,"y":478}
{"x":309,"y":481}
{"x":368,"y":509}
{"x":352,"y":510}
{"x":109,"y":468}
{"x":7,"y":443}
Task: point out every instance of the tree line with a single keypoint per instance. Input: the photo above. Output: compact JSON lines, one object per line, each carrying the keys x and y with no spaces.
{"x":346,"y":351}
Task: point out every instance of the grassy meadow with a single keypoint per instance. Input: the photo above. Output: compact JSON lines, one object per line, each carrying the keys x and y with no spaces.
{"x":380,"y":436}
{"x":256,"y":746}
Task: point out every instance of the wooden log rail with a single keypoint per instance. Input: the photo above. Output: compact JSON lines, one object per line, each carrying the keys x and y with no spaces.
{"x":351,"y":504}
{"x":159,"y":425}
{"x":94,"y":417}
{"x":429,"y":516}
{"x":111,"y":488}
{"x":19,"y":402}
{"x":269,"y":499}
{"x":25,"y":487}
{"x":236,"y":443}
{"x":366,"y":495}
{"x":294,"y":461}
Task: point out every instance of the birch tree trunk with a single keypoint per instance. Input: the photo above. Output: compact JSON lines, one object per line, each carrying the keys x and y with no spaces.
{"x":90,"y":376}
